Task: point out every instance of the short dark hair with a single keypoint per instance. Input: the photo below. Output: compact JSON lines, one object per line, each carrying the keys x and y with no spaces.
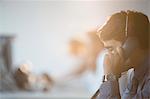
{"x":137,"y":26}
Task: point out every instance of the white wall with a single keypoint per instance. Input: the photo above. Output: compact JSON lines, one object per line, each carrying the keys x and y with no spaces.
{"x":0,"y":16}
{"x":149,"y":9}
{"x":43,"y":28}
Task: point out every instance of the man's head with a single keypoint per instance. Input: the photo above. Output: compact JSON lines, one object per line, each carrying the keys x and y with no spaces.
{"x":122,"y":25}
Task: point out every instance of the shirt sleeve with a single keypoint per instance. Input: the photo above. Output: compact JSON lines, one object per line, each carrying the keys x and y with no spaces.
{"x":146,"y":90}
{"x":109,"y":90}
{"x":143,"y":90}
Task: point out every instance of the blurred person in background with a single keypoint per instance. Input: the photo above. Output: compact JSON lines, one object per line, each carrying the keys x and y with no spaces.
{"x":86,"y":68}
{"x":126,"y":37}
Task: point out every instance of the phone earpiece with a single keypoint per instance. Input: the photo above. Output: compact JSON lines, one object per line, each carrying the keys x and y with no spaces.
{"x":129,"y":46}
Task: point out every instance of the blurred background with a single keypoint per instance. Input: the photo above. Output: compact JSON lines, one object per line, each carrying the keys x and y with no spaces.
{"x":49,"y":48}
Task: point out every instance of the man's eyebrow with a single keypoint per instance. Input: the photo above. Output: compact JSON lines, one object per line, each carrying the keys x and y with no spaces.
{"x":108,"y":47}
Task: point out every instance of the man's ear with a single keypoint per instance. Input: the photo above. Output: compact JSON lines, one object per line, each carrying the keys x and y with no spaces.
{"x":129,"y":46}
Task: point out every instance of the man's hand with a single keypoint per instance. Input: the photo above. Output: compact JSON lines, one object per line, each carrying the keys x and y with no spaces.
{"x":114,"y":61}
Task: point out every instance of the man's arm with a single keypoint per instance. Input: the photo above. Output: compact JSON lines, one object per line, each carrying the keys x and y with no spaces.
{"x":143,"y":93}
{"x":109,"y":90}
{"x":112,"y":71}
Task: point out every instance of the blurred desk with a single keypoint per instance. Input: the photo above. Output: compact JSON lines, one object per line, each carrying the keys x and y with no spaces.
{"x":38,"y":95}
{"x":55,"y":93}
{"x":72,"y":89}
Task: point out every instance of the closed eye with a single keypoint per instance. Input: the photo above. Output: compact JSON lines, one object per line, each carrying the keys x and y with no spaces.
{"x":110,"y":48}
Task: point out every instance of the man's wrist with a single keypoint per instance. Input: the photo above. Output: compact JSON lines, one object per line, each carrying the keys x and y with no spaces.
{"x":110,"y":77}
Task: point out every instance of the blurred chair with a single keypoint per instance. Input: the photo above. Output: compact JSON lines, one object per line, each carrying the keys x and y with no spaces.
{"x":6,"y":51}
{"x":7,"y":82}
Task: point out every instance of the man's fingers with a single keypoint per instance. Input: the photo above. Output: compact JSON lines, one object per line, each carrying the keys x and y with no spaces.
{"x":120,"y":52}
{"x":107,"y":64}
{"x":113,"y":61}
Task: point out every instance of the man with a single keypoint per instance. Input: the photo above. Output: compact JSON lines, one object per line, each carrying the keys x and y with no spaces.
{"x":126,"y":36}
